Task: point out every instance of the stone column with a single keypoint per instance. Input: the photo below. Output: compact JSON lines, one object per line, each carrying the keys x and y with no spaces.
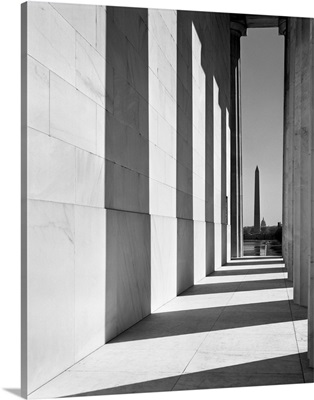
{"x":237,"y":29}
{"x":302,"y":163}
{"x":290,"y":146}
{"x":296,"y":164}
{"x":285,"y":177}
{"x":305,"y":167}
{"x":311,"y":147}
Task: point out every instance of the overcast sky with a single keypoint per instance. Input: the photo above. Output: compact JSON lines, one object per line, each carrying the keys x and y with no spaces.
{"x":262,"y":63}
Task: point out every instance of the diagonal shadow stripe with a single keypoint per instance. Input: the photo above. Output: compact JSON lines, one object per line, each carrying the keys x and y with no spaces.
{"x":224,"y":272}
{"x":184,"y":322}
{"x":273,"y":371}
{"x":234,"y":286}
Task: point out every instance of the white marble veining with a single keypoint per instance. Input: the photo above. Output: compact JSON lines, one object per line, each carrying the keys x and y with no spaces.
{"x":167,"y":137}
{"x":50,"y":168}
{"x":199,"y":250}
{"x":90,"y":279}
{"x":185,"y":238}
{"x":126,"y":189}
{"x":38,"y":96}
{"x":163,"y":260}
{"x":50,"y":280}
{"x":72,"y":115}
{"x":135,"y":146}
{"x":128,"y":269}
{"x":217,"y":153}
{"x":90,"y":69}
{"x":210,"y":247}
{"x":218,"y":246}
{"x":162,"y":166}
{"x":166,"y":38}
{"x":101,"y":123}
{"x":81,"y":17}
{"x":90,"y":179}
{"x":101,"y":30}
{"x":162,"y":199}
{"x":51,"y":40}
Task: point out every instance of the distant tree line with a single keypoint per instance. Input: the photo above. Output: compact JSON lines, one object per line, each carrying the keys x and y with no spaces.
{"x":266,"y":233}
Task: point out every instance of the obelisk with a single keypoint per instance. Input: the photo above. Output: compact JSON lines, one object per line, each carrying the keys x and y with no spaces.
{"x":257,"y":218}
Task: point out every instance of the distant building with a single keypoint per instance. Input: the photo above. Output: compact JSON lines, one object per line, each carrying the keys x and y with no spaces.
{"x":257,"y":226}
{"x":263,"y":225}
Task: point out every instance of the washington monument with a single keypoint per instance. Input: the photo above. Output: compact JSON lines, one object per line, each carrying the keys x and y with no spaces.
{"x":257,"y":219}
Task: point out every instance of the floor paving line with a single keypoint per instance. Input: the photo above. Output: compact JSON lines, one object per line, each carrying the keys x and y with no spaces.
{"x":212,"y":327}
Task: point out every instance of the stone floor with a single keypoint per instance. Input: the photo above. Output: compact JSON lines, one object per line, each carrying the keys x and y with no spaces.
{"x":237,"y":327}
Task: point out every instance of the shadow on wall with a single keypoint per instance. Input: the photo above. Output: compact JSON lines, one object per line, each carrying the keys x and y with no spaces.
{"x":185,"y":233}
{"x":127,"y":170}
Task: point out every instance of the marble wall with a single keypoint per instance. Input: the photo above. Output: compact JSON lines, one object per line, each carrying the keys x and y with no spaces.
{"x":66,"y":219}
{"x":127,"y":164}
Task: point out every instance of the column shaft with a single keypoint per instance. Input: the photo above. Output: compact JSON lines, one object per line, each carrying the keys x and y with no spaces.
{"x":236,"y":143}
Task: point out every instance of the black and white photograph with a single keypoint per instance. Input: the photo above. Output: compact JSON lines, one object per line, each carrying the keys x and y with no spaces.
{"x":166,"y":201}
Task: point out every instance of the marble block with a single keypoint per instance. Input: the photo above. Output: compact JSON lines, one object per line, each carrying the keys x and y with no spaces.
{"x":51,"y":40}
{"x":133,"y":23}
{"x":163,"y":260}
{"x":162,"y":167}
{"x":162,"y":199}
{"x":101,"y":29}
{"x":184,"y":205}
{"x":199,"y":250}
{"x":109,"y":87}
{"x":153,"y":125}
{"x":37,"y":96}
{"x":90,"y":279}
{"x":135,"y":147}
{"x":184,"y":179}
{"x":90,"y":179}
{"x":50,"y":290}
{"x":125,"y":102}
{"x":210,"y":248}
{"x":163,"y":36}
{"x":100,"y":146}
{"x":90,"y":69}
{"x":81,"y":17}
{"x":198,"y":209}
{"x":50,"y":168}
{"x":170,"y":19}
{"x":73,"y":116}
{"x":218,"y":245}
{"x":185,"y":254}
{"x":126,"y":189}
{"x":137,"y":70}
{"x":116,"y":50}
{"x":167,"y":137}
{"x":128,"y":276}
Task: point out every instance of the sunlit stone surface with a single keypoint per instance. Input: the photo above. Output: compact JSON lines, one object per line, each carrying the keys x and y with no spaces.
{"x":216,"y":329}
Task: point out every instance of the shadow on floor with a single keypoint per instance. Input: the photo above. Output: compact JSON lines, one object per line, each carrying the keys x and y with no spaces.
{"x":227,"y":287}
{"x":174,"y":323}
{"x":254,"y":262}
{"x":15,"y":391}
{"x":254,"y":271}
{"x":273,"y":371}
